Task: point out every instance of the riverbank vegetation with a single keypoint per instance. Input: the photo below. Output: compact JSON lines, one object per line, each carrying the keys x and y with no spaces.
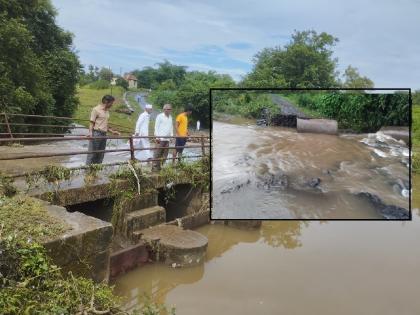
{"x":30,"y":282}
{"x":361,"y":112}
{"x":247,"y":104}
{"x":90,"y":97}
{"x":415,"y":135}
{"x":39,"y":67}
{"x":181,"y":88}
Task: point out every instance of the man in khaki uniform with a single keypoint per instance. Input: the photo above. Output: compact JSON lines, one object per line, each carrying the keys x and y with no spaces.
{"x":98,"y":128}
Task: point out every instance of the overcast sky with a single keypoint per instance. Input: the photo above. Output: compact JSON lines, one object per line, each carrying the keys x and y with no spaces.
{"x":380,"y":38}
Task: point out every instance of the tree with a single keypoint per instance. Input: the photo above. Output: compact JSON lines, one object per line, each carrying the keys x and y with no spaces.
{"x":105,"y":74}
{"x":352,"y":79}
{"x":151,"y":78}
{"x":38,"y":68}
{"x":194,"y":90}
{"x":305,"y":62}
{"x":416,"y":97}
{"x":123,"y":83}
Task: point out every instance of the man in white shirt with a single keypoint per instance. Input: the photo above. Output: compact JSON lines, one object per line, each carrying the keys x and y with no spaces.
{"x":163,"y":128}
{"x":142,"y":130}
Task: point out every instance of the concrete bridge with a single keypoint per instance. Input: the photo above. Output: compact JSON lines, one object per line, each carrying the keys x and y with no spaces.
{"x":151,"y":229}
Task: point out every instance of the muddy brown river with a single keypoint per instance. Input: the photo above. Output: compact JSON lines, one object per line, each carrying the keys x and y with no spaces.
{"x":296,"y":267}
{"x":277,"y":173}
{"x":293,"y":267}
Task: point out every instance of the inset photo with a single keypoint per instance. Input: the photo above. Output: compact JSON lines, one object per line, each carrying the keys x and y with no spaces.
{"x":311,"y":154}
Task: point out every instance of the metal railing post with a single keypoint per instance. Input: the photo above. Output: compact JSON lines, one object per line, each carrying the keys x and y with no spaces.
{"x":132,"y":148}
{"x":203,"y":150}
{"x":8,"y":125}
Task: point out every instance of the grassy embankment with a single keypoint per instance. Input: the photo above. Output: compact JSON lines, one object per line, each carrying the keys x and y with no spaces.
{"x":239,"y":105}
{"x":30,"y":282}
{"x":415,"y":137}
{"x":89,"y":98}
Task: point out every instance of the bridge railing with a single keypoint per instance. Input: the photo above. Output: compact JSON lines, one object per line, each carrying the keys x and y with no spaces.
{"x":203,"y":142}
{"x":6,"y":120}
{"x":131,"y":149}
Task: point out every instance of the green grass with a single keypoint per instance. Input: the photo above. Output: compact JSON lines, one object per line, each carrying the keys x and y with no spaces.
{"x":416,"y":127}
{"x":27,"y":217}
{"x":89,"y":98}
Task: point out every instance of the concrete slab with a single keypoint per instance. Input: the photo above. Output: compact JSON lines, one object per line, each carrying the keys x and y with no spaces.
{"x":85,"y":248}
{"x":144,"y":218}
{"x":174,"y":246}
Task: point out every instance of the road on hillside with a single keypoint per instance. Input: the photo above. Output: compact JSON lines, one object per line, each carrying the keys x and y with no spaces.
{"x":140,"y":98}
{"x":286,"y":107}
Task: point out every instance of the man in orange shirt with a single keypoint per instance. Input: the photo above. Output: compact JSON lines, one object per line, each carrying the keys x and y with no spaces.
{"x":181,"y":128}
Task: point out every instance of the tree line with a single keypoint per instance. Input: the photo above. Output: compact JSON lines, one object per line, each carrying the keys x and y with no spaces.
{"x":39,"y":69}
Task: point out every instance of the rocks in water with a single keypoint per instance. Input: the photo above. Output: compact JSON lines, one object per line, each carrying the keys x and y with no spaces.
{"x":235,"y":186}
{"x":261,"y":122}
{"x":394,"y":212}
{"x":270,"y":181}
{"x":390,"y":212}
{"x":401,"y":187}
{"x":398,"y":133}
{"x":245,"y":160}
{"x":314,"y":182}
{"x":327,"y":172}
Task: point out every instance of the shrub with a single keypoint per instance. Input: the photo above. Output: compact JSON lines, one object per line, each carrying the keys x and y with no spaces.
{"x":99,"y":85}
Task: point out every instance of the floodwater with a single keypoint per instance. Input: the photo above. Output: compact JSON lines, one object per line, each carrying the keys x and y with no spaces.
{"x":296,"y":267}
{"x":293,"y":267}
{"x":277,"y":173}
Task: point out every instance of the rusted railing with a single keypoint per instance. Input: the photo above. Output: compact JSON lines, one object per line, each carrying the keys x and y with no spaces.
{"x":130,"y":139}
{"x":22,"y":137}
{"x":9,"y":124}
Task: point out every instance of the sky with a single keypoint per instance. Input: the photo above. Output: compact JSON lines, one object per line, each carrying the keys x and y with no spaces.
{"x":380,"y":38}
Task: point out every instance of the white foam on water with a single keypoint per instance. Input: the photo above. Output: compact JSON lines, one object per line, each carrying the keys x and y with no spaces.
{"x":380,"y":153}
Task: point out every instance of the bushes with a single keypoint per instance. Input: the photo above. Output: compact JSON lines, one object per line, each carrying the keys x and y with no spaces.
{"x":99,"y":85}
{"x":358,"y":111}
{"x":193,"y":89}
{"x":242,"y":103}
{"x":31,"y":284}
{"x":415,"y":166}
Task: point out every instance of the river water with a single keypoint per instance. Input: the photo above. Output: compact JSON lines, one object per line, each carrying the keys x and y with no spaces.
{"x":277,"y":173}
{"x":293,"y":267}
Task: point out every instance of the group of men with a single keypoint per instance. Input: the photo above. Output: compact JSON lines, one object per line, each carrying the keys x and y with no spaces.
{"x":163,"y":133}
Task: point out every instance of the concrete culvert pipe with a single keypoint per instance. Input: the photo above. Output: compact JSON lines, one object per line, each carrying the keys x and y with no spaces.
{"x":317,"y":126}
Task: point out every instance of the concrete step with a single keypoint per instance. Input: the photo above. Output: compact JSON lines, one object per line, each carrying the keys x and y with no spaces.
{"x":142,"y":201}
{"x":144,"y":218}
{"x":173,"y":245}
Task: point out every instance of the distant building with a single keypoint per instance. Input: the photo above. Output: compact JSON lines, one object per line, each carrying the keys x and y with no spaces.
{"x":131,"y":79}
